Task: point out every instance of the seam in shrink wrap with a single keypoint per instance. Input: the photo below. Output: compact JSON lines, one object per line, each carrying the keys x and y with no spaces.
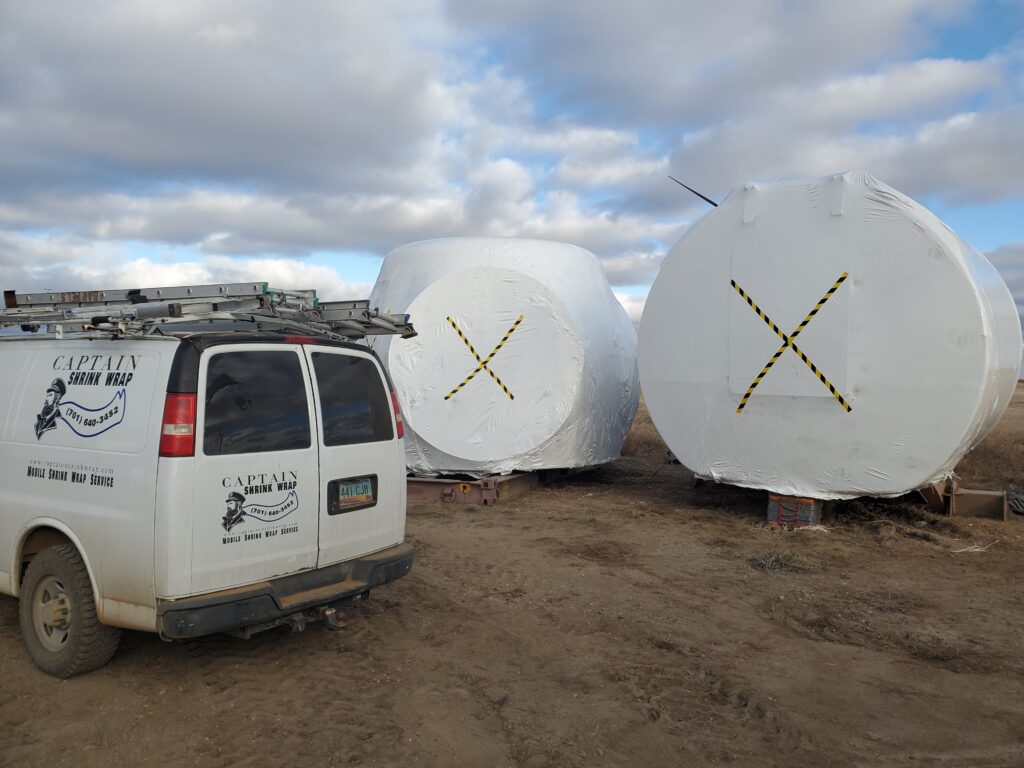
{"x":828,"y":338}
{"x":524,"y":359}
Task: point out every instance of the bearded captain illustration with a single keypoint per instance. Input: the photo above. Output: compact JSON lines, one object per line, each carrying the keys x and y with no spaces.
{"x":47,"y":417}
{"x":234,"y":513}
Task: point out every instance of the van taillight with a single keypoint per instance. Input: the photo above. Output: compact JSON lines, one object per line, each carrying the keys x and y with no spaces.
{"x":178,"y":437}
{"x":399,"y":426}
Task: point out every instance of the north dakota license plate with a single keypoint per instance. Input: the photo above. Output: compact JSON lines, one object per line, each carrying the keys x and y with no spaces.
{"x":351,"y":493}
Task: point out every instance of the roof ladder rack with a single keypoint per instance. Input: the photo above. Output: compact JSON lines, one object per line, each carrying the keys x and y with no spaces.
{"x":142,"y":311}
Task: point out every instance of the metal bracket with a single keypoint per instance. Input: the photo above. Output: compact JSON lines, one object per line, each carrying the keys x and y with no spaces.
{"x":948,"y":498}
{"x":486,"y":491}
{"x":330,"y":617}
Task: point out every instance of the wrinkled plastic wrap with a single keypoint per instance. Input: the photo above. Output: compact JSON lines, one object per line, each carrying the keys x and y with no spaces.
{"x":915,"y":352}
{"x":560,"y":391}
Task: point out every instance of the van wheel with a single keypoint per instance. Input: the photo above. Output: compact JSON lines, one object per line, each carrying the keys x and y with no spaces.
{"x":58,"y":615}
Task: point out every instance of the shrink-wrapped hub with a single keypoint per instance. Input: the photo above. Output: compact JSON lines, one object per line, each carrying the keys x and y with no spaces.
{"x":827,"y":338}
{"x":524,"y":359}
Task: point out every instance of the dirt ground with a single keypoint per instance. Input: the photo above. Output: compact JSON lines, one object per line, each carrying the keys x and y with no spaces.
{"x":625,"y":617}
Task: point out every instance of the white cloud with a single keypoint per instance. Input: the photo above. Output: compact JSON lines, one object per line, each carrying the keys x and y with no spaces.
{"x":579,"y":171}
{"x":634,"y":305}
{"x":223,"y":33}
{"x":563,"y":137}
{"x":905,"y":89}
{"x":563,"y":218}
{"x":223,"y":223}
{"x":338,"y":94}
{"x":32,"y":264}
{"x":501,"y":193}
{"x":967,"y":157}
{"x":280,"y":273}
{"x":257,"y":133}
{"x":633,"y":268}
{"x":1009,"y":260}
{"x":681,"y":62}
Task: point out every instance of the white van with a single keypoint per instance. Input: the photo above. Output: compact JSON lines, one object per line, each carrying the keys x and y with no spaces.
{"x":188,"y":483}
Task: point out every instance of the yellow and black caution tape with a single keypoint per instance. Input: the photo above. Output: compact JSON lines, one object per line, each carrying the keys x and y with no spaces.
{"x":787,"y":342}
{"x":483,"y":364}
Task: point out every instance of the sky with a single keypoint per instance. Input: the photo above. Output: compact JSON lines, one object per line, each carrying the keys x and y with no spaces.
{"x":163,"y":143}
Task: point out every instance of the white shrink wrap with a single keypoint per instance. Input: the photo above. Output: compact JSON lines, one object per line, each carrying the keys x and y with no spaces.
{"x":524,"y":360}
{"x":914,"y":340}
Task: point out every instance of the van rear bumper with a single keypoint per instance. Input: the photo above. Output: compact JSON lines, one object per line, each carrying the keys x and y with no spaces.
{"x":267,"y":602}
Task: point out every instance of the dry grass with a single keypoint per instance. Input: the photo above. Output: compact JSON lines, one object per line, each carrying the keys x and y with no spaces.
{"x":997,"y":463}
{"x":781,"y":562}
{"x":643,"y":440}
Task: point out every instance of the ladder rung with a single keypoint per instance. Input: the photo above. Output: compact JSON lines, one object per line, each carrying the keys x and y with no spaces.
{"x":330,"y":306}
{"x":133,"y":295}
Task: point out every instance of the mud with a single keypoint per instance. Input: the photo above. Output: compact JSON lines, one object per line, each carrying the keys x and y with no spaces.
{"x":624,"y":617}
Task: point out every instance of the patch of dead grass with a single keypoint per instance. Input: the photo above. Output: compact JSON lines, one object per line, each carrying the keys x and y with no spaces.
{"x":781,"y":562}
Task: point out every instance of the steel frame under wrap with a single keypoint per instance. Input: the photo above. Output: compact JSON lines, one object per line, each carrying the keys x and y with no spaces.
{"x":487,"y":491}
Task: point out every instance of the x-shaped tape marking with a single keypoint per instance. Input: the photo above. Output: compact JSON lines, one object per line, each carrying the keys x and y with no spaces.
{"x":483,"y":364}
{"x":788,"y":343}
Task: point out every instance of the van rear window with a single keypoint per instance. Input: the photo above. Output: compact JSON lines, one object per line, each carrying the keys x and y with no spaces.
{"x":255,"y":403}
{"x":354,"y":405}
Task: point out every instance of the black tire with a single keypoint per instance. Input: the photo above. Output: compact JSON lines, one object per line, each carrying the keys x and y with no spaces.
{"x":76,"y":641}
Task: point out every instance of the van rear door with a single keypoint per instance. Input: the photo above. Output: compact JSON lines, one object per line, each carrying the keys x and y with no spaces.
{"x":362,"y":462}
{"x":257,"y":494}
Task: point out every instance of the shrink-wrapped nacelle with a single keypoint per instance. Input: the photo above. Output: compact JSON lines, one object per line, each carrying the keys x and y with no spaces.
{"x":826,"y":338}
{"x":524,"y":360}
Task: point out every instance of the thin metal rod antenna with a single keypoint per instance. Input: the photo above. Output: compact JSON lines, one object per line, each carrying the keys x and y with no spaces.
{"x":698,"y":194}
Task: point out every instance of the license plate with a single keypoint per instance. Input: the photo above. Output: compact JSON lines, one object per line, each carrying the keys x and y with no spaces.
{"x":351,"y":493}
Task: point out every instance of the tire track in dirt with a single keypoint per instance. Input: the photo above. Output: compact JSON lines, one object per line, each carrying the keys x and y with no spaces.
{"x":612,"y":620}
{"x":669,"y":693}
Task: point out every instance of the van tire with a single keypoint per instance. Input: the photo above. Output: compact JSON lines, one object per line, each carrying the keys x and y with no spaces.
{"x":76,"y":641}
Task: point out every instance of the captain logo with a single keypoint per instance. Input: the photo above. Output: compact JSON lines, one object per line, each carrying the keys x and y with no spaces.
{"x":47,"y":417}
{"x":238,"y":511}
{"x":82,"y":420}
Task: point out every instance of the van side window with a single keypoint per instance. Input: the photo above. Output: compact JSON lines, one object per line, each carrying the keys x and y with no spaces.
{"x":255,"y":402}
{"x":353,"y":402}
